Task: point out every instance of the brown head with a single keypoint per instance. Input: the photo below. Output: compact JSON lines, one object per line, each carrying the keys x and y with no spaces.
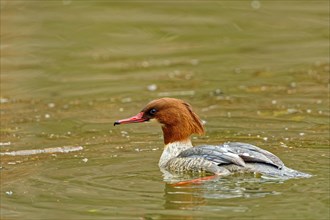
{"x":176,"y":116}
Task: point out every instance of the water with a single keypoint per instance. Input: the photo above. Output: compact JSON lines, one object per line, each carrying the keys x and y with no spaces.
{"x":254,"y":71}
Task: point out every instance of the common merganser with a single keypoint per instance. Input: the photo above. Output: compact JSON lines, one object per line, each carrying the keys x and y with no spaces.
{"x":179,"y":122}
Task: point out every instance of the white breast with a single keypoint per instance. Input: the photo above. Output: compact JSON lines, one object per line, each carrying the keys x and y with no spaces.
{"x":172,"y":150}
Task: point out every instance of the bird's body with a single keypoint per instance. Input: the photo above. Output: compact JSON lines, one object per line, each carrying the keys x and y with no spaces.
{"x":179,"y":156}
{"x":224,"y":160}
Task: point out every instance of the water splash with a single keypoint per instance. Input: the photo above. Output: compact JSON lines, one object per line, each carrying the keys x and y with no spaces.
{"x":65,"y":149}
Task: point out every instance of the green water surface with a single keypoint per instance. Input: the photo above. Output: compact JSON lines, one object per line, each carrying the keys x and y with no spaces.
{"x":255,"y":71}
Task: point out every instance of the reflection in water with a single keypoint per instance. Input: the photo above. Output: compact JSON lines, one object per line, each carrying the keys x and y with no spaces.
{"x":182,"y":197}
{"x":195,"y":195}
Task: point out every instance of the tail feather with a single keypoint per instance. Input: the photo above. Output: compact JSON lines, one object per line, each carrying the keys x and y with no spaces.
{"x":284,"y":172}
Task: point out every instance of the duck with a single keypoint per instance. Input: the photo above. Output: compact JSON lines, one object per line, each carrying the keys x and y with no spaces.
{"x":179,"y":122}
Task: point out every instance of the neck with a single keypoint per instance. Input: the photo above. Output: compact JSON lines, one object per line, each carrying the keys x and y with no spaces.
{"x":173,"y":149}
{"x":174,"y":134}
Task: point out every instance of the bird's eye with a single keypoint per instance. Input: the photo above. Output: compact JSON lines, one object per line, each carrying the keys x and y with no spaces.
{"x":152,"y":111}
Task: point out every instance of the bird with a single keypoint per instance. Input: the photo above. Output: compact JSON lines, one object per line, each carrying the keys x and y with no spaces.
{"x":179,"y":122}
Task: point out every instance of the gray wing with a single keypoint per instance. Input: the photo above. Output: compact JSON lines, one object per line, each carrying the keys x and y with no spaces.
{"x":215,"y":154}
{"x":251,"y":153}
{"x":233,"y":153}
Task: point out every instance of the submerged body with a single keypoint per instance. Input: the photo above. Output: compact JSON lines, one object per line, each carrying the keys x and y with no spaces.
{"x":179,"y":156}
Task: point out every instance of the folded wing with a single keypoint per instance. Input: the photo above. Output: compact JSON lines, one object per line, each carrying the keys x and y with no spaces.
{"x":233,"y":153}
